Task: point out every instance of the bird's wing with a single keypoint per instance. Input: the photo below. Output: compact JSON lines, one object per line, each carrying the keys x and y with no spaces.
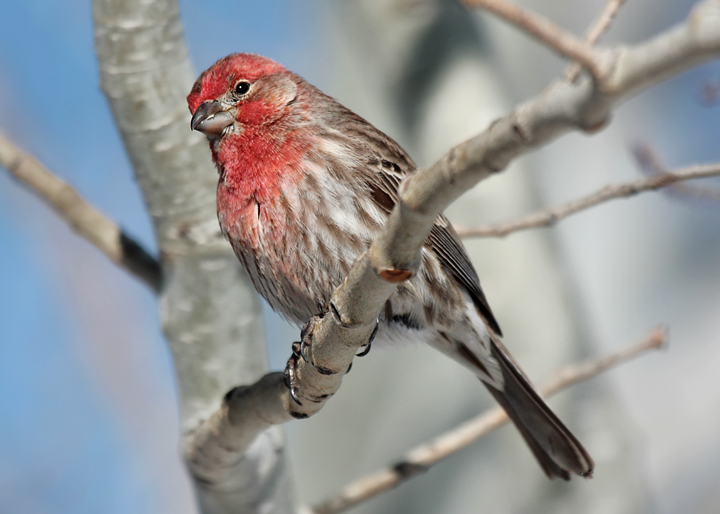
{"x":388,"y":165}
{"x":444,"y":242}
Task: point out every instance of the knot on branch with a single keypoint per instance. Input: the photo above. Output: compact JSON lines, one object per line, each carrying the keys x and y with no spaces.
{"x":235,"y":391}
{"x":408,"y":470}
{"x":395,"y":276}
{"x":520,"y":133}
{"x":595,"y":125}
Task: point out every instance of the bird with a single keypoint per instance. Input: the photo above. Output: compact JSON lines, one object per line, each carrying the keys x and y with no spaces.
{"x":305,"y":185}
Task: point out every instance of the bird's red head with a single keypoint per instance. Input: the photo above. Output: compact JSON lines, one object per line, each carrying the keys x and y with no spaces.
{"x":252,"y":111}
{"x":240,"y":91}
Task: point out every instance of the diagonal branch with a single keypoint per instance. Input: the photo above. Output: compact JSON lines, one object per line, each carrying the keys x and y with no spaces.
{"x":549,"y":217}
{"x":545,"y":31}
{"x":604,"y":20}
{"x":395,"y":255}
{"x":593,"y":34}
{"x":423,"y":457}
{"x":82,"y":217}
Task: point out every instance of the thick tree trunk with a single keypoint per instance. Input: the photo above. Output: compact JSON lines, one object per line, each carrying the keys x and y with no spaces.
{"x":210,"y":314}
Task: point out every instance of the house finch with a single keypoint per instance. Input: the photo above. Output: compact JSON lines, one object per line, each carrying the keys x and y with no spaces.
{"x":305,"y":186}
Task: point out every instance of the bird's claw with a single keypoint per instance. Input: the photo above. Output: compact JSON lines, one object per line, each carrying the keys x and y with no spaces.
{"x":291,"y":373}
{"x":303,"y":349}
{"x":306,"y":336}
{"x":305,"y":344}
{"x":366,"y":347}
{"x":300,"y":351}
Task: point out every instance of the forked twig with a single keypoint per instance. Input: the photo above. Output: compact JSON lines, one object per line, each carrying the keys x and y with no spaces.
{"x":549,"y":217}
{"x":651,"y":165}
{"x":545,"y":31}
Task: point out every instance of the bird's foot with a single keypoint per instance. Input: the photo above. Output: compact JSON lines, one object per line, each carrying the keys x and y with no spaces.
{"x":291,"y":373}
{"x":301,"y":351}
{"x":365,"y":349}
{"x":306,"y":338}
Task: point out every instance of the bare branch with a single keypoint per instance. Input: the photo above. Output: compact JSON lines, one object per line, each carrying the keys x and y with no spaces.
{"x":82,"y":217}
{"x":545,"y":31}
{"x":650,"y":164}
{"x":604,"y":20}
{"x":396,"y":254}
{"x":593,"y":34}
{"x":549,"y":217}
{"x":421,"y":458}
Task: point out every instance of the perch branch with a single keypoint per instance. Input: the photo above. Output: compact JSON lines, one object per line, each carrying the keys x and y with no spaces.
{"x":421,"y":458}
{"x":82,"y":217}
{"x":395,"y":255}
{"x":549,"y":217}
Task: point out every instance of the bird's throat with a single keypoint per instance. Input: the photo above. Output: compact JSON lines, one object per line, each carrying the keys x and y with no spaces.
{"x":257,"y":163}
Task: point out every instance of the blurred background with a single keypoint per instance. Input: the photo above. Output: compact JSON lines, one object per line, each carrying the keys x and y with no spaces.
{"x":88,"y":407}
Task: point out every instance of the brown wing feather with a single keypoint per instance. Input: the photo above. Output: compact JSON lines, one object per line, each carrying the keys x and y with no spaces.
{"x":382,"y":174}
{"x":444,"y":242}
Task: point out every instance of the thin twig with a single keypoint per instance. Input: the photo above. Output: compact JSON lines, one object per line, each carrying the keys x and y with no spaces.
{"x":545,"y":31}
{"x":82,"y":217}
{"x":549,"y":217}
{"x":604,"y":21}
{"x":594,"y":32}
{"x":651,"y":165}
{"x":423,"y":457}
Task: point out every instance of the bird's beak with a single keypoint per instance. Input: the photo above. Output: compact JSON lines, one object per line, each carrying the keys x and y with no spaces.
{"x":211,"y":119}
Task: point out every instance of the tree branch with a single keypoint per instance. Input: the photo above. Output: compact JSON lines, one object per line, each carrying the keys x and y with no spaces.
{"x":547,"y":32}
{"x":423,"y":457}
{"x":650,"y":164}
{"x":396,"y":254}
{"x":549,"y":217}
{"x":604,"y":20}
{"x":82,"y":217}
{"x":593,"y":34}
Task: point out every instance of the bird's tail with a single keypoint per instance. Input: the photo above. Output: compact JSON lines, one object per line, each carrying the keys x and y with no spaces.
{"x":554,"y":446}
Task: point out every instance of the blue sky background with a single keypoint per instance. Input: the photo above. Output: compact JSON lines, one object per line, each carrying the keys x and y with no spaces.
{"x":76,"y":436}
{"x":72,"y":326}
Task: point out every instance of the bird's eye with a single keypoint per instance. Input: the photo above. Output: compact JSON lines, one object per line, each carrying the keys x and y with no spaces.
{"x":242,"y":87}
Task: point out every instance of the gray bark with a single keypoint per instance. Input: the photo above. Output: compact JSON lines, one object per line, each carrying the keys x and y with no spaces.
{"x":210,"y":314}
